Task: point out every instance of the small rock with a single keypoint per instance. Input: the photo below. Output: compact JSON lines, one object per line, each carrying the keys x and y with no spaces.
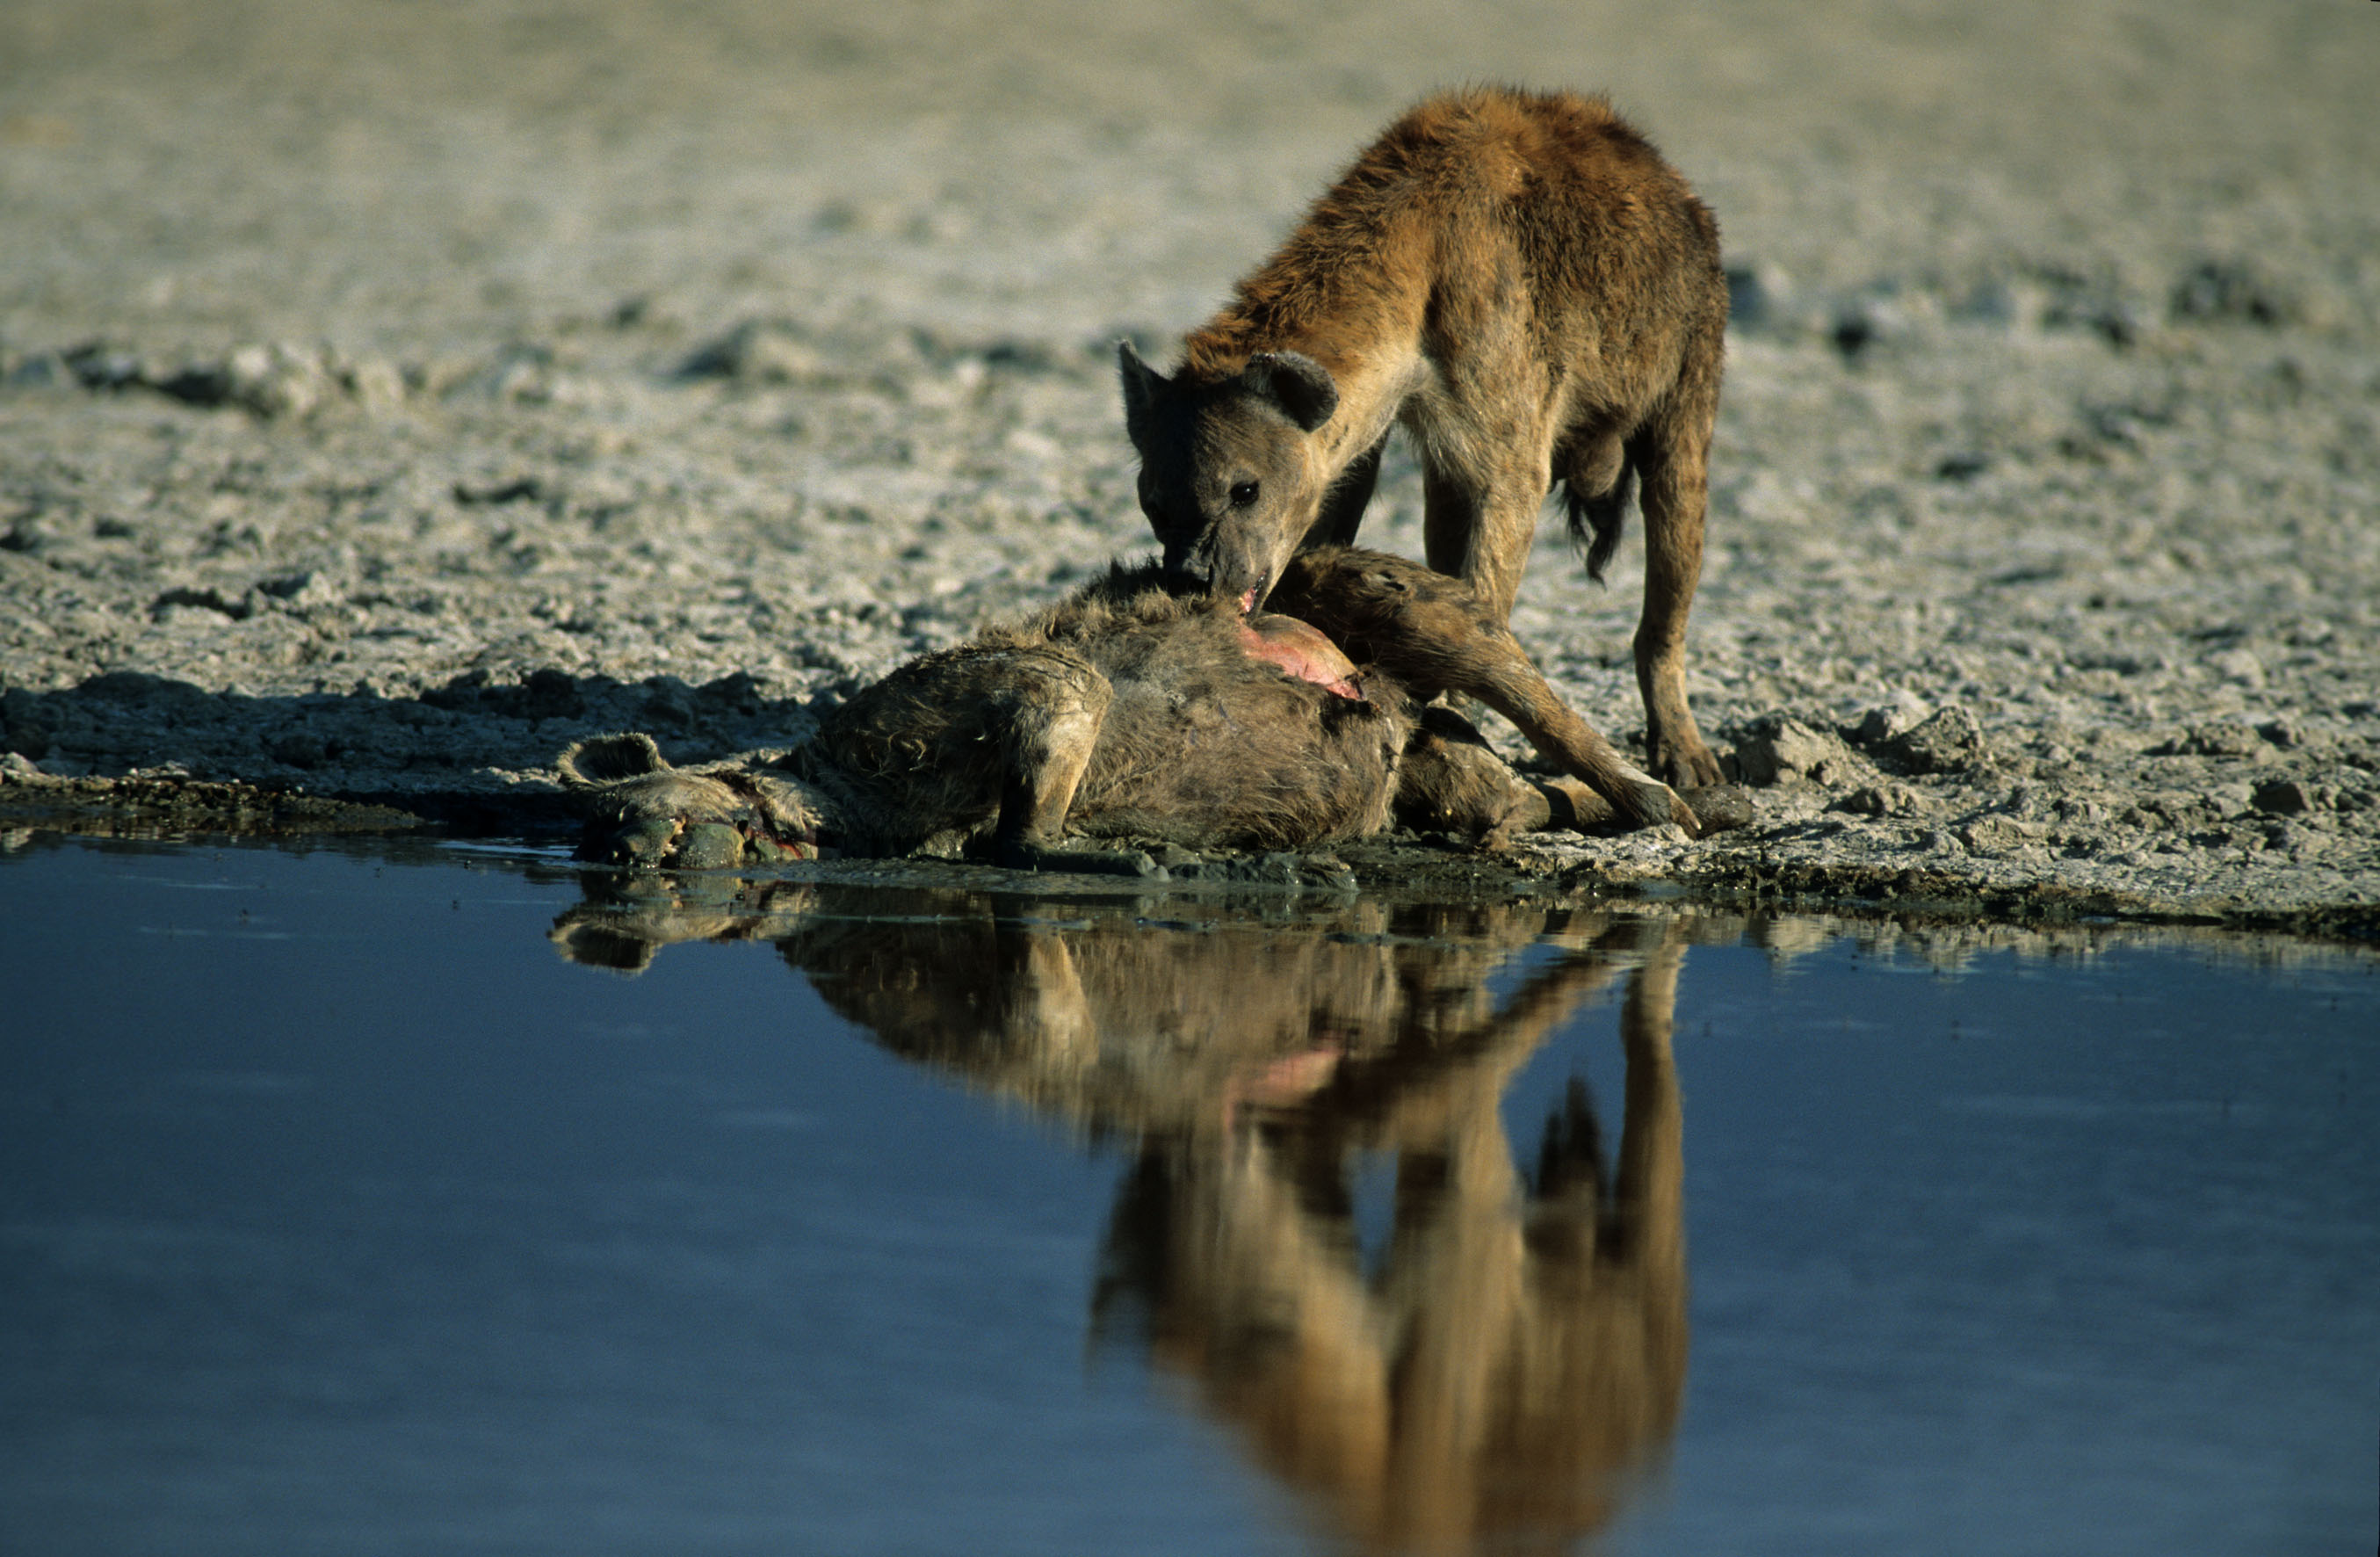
{"x":1948,"y":742}
{"x":2220,"y":738}
{"x":1887,"y":721}
{"x":1756,"y":297}
{"x":1328,"y":870}
{"x":1280,"y":868}
{"x":97,"y":366}
{"x":758,"y":351}
{"x":16,"y":768}
{"x":278,"y":381}
{"x":42,"y":370}
{"x":1719,"y":807}
{"x":2000,"y":302}
{"x":2241,"y":665}
{"x":376,"y":382}
{"x":1777,"y":749}
{"x":2281,"y":797}
{"x":195,"y":384}
{"x":1885,"y":799}
{"x":2231,"y":292}
{"x":1997,"y":835}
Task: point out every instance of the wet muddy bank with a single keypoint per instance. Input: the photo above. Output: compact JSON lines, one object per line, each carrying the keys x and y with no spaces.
{"x":1744,"y":875}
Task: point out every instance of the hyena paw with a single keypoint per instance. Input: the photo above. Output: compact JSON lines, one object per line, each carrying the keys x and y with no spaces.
{"x":1685,"y":764}
{"x":1648,"y":802}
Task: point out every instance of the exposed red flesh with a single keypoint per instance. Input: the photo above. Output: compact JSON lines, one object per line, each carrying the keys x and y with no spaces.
{"x":1302,"y":651}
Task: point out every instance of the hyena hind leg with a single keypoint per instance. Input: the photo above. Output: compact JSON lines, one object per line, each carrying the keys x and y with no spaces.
{"x":1672,"y":457}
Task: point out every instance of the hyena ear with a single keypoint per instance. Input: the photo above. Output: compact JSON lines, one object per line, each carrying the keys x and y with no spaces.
{"x":591,"y":764}
{"x":1296,"y":383}
{"x":1142,"y":384}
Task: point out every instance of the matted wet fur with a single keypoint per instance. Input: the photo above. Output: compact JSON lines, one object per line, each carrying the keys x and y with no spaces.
{"x":1522,"y":284}
{"x":1131,"y":712}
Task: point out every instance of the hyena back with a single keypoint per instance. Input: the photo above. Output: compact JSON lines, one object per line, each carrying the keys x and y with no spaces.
{"x":1522,"y":284}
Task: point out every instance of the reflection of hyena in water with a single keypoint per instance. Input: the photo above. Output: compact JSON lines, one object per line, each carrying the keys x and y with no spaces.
{"x":1535,"y":295}
{"x":1131,"y":712}
{"x":1521,"y":1345}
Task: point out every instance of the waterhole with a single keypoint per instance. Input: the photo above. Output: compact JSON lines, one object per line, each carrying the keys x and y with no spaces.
{"x":404,"y":1197}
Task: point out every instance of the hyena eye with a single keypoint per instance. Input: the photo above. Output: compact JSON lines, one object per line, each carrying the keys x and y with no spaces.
{"x":1244,"y":494}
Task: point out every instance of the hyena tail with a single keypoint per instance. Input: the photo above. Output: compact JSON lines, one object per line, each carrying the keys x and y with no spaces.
{"x":1596,"y":490}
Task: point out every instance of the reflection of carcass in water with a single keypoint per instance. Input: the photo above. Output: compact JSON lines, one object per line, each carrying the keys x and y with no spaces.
{"x":1520,"y":1348}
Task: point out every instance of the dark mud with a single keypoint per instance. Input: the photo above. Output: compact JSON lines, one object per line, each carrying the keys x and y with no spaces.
{"x":1746,"y":873}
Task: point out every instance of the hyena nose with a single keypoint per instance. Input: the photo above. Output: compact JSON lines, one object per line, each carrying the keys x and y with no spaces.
{"x":1189,"y":573}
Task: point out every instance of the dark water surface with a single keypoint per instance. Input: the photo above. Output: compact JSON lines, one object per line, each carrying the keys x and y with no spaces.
{"x":352,"y":1200}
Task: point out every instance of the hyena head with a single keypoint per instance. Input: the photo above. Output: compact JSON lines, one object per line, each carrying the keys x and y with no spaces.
{"x":1229,"y":475}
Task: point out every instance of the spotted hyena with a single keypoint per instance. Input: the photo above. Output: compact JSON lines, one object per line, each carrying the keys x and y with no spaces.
{"x":1522,"y":282}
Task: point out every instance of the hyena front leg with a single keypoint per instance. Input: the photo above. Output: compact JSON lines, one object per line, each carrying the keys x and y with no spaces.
{"x":1475,"y":658}
{"x":1478,"y":527}
{"x":1437,"y":635}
